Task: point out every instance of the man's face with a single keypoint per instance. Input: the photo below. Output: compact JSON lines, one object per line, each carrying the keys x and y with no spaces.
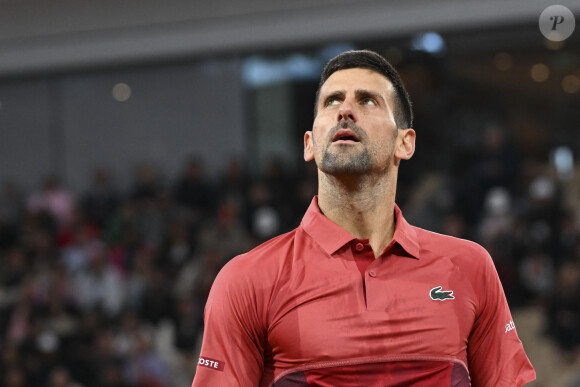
{"x":354,"y":130}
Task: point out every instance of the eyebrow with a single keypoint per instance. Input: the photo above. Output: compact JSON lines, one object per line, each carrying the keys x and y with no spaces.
{"x":359,"y":94}
{"x":334,"y":94}
{"x":362,"y":93}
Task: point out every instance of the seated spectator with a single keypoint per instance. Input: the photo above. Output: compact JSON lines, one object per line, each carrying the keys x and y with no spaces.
{"x":225,"y":233}
{"x":101,"y":286}
{"x":60,"y":377}
{"x":82,"y":246}
{"x":53,"y":199}
{"x":232,"y":186}
{"x":101,"y":200}
{"x":11,"y":212}
{"x":145,"y":368}
{"x":188,"y":324}
{"x":147,"y":184}
{"x":194,"y":192}
{"x":563,"y":311}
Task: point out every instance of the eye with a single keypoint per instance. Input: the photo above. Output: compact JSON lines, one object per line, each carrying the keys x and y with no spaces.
{"x":332,"y":101}
{"x":368,"y":101}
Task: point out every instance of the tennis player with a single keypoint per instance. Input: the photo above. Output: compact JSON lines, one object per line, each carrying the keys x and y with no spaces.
{"x":355,"y":295}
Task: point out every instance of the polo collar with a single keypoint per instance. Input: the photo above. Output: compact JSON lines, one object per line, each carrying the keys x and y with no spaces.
{"x":331,"y":237}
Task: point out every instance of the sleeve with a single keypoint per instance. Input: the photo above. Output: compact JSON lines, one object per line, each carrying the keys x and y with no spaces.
{"x":232,"y":351}
{"x":496,"y":355}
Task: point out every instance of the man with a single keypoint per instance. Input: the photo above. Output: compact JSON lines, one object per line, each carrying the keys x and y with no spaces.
{"x":355,"y":296}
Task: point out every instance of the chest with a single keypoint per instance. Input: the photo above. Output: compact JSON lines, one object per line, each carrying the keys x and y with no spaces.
{"x":398,"y":306}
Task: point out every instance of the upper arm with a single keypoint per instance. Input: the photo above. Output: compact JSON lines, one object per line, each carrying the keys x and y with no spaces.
{"x":233,"y":334}
{"x":495,"y":353}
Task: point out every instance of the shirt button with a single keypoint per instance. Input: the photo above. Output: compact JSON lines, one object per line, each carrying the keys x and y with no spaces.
{"x":372,"y":273}
{"x":359,"y":247}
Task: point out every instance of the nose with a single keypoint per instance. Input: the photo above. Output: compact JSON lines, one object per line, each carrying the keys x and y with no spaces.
{"x":346,"y":112}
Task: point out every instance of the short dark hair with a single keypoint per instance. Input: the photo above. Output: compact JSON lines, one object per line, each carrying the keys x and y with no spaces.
{"x":370,"y":60}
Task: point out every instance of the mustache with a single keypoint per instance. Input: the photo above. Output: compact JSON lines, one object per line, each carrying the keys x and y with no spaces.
{"x":348,"y":125}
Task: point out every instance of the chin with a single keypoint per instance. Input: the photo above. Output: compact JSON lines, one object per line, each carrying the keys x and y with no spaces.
{"x":341,"y":164}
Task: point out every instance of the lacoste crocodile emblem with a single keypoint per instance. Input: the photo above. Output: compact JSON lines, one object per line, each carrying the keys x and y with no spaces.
{"x":437,"y":294}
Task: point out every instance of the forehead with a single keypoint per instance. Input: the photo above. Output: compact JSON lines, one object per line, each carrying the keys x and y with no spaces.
{"x":355,"y":79}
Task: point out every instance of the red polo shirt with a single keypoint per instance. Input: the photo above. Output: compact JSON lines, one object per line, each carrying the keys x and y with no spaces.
{"x":313,"y":307}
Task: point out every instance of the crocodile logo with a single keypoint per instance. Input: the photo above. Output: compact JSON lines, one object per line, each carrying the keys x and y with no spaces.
{"x":437,"y":294}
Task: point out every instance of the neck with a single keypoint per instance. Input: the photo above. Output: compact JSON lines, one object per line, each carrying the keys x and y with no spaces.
{"x":361,"y":205}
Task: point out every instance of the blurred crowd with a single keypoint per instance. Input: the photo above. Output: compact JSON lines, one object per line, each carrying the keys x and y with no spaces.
{"x":107,"y":287}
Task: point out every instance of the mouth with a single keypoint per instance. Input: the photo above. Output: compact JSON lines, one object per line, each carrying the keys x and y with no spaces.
{"x":345,"y":135}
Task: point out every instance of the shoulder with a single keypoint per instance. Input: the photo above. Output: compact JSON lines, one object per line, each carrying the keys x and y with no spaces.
{"x":260,"y":265}
{"x":462,"y":251}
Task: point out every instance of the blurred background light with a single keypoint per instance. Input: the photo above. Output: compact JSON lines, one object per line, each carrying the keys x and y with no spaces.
{"x":331,"y":50}
{"x":258,"y":71}
{"x":430,"y":42}
{"x":121,"y":92}
{"x":562,"y":159}
{"x":540,"y":72}
{"x":571,"y":84}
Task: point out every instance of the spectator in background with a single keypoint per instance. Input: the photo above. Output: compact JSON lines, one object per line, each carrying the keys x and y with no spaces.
{"x":100,"y":200}
{"x":178,"y":248}
{"x":81,"y":247}
{"x":20,"y":316}
{"x":563,"y":311}
{"x":14,"y":377}
{"x":537,"y":277}
{"x":145,"y":368}
{"x":83,"y":354}
{"x":495,"y":234}
{"x":225,"y":233}
{"x":61,"y":316}
{"x":279,"y":181}
{"x":569,"y":239}
{"x":543,"y":215}
{"x":264,"y":216}
{"x":54,"y":200}
{"x":496,"y":165}
{"x":60,"y":377}
{"x":188,"y":323}
{"x":100,"y":286}
{"x":131,"y":329}
{"x":499,"y":163}
{"x":157,"y":302}
{"x":152,"y":219}
{"x":147,"y":184}
{"x":497,"y":220}
{"x":14,"y":268}
{"x":106,"y":364}
{"x":12,"y":367}
{"x":140,"y":217}
{"x":138,"y":277}
{"x":194,"y":193}
{"x":305,"y":189}
{"x":11,"y":212}
{"x":233,"y":186}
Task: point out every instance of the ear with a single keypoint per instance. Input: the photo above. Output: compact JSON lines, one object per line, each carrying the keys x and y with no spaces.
{"x":405,"y":144}
{"x":308,"y":150}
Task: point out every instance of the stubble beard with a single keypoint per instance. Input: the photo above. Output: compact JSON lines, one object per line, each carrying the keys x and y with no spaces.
{"x":346,"y":161}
